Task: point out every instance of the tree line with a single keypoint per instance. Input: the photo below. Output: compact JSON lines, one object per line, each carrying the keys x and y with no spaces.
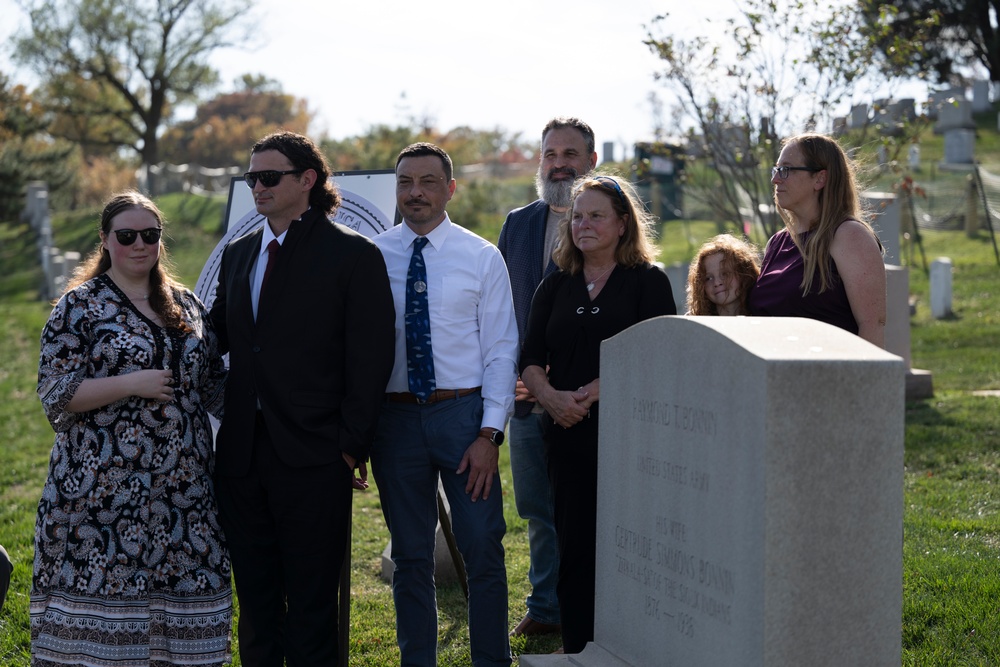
{"x":114,"y":75}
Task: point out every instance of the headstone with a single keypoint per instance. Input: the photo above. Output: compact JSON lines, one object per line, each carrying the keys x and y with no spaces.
{"x":940,"y":287}
{"x":609,"y":151}
{"x":678,"y":274}
{"x":885,"y":210}
{"x":57,"y":277}
{"x":919,"y":383}
{"x":959,"y":146}
{"x":859,"y":116}
{"x":839,"y":125}
{"x":938,"y":98}
{"x":904,"y":110}
{"x":913,"y":157}
{"x":894,"y":114}
{"x":45,"y":252}
{"x":954,"y":114}
{"x":444,"y":565}
{"x":981,"y":96}
{"x":750,"y":497}
{"x":897,"y":312}
{"x":36,"y":203}
{"x":72,"y":260}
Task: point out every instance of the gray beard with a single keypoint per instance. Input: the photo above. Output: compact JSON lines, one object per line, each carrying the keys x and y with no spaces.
{"x":557,"y":194}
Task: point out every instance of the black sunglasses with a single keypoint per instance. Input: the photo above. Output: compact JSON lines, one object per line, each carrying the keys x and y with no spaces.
{"x":613,"y":184}
{"x":127,"y":236}
{"x":269,"y":177}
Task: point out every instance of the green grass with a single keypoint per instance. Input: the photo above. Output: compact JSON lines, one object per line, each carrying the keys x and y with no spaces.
{"x":951,"y":527}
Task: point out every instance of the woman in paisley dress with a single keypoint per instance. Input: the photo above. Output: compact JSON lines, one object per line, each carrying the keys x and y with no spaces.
{"x":131,"y":567}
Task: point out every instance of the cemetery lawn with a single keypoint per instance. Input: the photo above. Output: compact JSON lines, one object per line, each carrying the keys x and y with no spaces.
{"x":951,"y":549}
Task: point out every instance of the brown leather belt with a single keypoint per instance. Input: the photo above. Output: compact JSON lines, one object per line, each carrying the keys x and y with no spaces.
{"x":436,"y":395}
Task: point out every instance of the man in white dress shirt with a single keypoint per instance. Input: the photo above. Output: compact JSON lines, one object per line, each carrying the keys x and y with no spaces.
{"x":447,"y":403}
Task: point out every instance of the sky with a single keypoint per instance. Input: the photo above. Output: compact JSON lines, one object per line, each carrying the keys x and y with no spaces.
{"x":511,"y":65}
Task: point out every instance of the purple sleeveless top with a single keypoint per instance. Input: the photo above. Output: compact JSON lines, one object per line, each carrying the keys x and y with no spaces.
{"x":778,"y":291}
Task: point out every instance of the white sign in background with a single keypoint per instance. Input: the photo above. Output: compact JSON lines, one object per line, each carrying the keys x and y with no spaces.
{"x":368,"y":207}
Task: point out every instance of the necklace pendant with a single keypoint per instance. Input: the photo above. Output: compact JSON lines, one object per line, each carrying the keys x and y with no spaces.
{"x":590,"y":287}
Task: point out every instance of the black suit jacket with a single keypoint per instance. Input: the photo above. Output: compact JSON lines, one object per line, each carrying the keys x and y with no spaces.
{"x":319,"y":356}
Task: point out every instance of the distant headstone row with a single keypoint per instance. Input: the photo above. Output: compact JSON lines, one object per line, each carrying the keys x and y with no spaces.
{"x":57,"y":266}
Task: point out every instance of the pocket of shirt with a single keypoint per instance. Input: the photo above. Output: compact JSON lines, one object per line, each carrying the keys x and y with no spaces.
{"x":459,"y":299}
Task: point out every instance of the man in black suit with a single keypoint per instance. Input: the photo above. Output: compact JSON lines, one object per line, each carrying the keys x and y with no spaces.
{"x":303,"y":307}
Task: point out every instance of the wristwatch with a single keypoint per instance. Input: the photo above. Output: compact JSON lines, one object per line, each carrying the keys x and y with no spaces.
{"x":492,"y":434}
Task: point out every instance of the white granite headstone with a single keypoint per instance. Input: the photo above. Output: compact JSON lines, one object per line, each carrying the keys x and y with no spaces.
{"x":750,"y":497}
{"x":885,"y":211}
{"x":940,"y":288}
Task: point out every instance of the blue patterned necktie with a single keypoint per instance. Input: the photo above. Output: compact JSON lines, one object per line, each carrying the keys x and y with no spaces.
{"x":419,"y":360}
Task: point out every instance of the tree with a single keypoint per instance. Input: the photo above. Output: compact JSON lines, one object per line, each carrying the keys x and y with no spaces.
{"x":377,"y":148}
{"x":27,"y":153}
{"x":934,"y":38}
{"x":224,"y":128}
{"x":787,"y":67}
{"x":125,"y":65}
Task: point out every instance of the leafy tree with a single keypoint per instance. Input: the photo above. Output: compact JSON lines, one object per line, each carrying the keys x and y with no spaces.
{"x":784,"y":68}
{"x":481,"y":201}
{"x":27,"y":153}
{"x":224,"y":128}
{"x":934,"y":38}
{"x":123,"y":66}
{"x":377,"y":148}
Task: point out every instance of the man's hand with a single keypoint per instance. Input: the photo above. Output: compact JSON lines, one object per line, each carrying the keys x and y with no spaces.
{"x":482,"y":461}
{"x":359,"y":481}
{"x":521,"y":393}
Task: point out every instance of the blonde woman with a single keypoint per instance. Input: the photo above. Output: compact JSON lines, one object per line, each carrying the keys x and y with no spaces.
{"x":826,"y":264}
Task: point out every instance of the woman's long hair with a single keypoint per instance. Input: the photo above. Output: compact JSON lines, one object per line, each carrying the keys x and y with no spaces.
{"x":838,"y":201}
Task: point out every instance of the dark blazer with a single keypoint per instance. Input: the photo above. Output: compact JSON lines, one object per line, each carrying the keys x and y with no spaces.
{"x":522,"y":242}
{"x":319,"y":356}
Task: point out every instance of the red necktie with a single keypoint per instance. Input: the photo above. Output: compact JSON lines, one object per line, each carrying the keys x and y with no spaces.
{"x":272,"y":255}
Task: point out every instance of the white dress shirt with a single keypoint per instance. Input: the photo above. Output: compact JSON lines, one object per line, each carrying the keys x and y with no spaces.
{"x":473,"y":329}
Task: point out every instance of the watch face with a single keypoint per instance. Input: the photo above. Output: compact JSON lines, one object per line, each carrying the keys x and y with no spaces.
{"x":497,"y":438}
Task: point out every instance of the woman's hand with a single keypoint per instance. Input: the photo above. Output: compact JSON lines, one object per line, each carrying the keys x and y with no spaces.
{"x":566,"y":408}
{"x":592,"y":392}
{"x":153,"y":384}
{"x":94,"y":393}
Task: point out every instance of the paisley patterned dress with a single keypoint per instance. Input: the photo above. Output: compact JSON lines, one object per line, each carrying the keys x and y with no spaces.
{"x":131,"y":567}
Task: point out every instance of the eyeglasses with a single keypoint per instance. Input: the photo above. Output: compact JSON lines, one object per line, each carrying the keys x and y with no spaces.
{"x":782,"y":172}
{"x":269,"y":177}
{"x":149,"y":236}
{"x":613,"y":184}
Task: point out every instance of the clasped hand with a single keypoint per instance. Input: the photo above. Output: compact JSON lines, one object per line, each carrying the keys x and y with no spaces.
{"x":568,"y":408}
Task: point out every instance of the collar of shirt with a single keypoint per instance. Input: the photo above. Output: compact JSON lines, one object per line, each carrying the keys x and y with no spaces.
{"x":435,"y":238}
{"x":269,"y":235}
